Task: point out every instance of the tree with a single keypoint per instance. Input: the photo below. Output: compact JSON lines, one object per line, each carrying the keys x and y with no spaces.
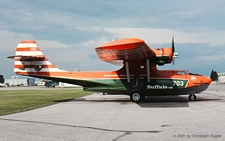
{"x":214,"y":75}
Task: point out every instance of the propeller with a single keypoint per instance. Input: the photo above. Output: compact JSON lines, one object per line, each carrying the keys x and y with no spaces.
{"x":173,"y":48}
{"x":175,"y":55}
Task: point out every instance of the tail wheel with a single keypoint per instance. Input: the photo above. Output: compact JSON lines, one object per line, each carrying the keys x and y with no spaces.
{"x":192,"y":97}
{"x":136,"y":97}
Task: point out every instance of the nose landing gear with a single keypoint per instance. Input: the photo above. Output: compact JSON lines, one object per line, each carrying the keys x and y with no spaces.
{"x":192,"y":97}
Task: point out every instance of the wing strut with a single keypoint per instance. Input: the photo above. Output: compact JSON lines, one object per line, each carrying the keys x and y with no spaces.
{"x":148,"y":70}
{"x":127,"y":72}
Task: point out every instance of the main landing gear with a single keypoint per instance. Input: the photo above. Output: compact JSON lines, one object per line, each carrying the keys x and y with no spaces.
{"x":136,"y":97}
{"x":192,"y":97}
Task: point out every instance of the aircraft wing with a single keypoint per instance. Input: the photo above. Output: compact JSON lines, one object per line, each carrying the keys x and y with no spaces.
{"x":129,"y":49}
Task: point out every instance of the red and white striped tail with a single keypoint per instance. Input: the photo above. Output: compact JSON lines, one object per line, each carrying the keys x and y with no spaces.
{"x":30,"y":60}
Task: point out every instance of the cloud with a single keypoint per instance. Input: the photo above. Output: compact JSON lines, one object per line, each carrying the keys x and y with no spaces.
{"x":215,"y":57}
{"x":9,"y":40}
{"x":68,"y":31}
{"x":50,"y":45}
{"x":80,"y":56}
{"x":153,"y":36}
{"x":160,"y":36}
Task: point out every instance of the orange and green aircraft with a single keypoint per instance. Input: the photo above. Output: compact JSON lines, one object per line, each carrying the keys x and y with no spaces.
{"x":138,"y":76}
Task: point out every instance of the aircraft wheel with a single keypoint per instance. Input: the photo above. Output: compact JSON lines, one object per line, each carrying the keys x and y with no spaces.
{"x":136,"y":97}
{"x":192,"y":97}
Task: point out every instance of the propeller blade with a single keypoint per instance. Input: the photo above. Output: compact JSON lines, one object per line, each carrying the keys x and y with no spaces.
{"x":173,"y":48}
{"x":173,"y":51}
{"x":173,"y":61}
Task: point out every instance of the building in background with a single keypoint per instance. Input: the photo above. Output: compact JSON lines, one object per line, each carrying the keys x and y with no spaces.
{"x":221,"y":77}
{"x":16,"y":81}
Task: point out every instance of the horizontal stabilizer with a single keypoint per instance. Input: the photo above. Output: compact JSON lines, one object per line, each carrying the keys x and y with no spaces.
{"x":27,"y":58}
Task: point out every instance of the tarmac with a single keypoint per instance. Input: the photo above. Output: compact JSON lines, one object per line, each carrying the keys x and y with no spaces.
{"x":114,"y":117}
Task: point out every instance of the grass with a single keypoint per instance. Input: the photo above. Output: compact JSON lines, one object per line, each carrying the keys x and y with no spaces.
{"x":14,"y":101}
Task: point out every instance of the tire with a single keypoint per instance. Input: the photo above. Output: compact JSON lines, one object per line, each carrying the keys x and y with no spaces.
{"x":136,"y":97}
{"x":192,"y":97}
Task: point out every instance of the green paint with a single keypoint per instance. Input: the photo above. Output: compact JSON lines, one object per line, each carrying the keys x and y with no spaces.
{"x":109,"y":84}
{"x":102,"y":85}
{"x":167,"y":84}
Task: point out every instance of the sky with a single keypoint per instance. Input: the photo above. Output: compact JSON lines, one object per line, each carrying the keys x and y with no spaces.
{"x":68,"y":31}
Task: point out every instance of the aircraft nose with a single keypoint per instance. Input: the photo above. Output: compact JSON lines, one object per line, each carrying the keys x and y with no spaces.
{"x":206,"y":80}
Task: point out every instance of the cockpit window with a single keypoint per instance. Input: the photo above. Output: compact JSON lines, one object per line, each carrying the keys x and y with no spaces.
{"x":195,"y":74}
{"x":187,"y":72}
{"x":181,"y":72}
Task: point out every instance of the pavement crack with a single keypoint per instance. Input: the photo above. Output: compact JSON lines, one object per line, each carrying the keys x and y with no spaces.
{"x":75,"y":126}
{"x":120,"y":136}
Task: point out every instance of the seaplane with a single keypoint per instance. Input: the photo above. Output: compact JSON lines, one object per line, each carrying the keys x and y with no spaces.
{"x":138,"y":76}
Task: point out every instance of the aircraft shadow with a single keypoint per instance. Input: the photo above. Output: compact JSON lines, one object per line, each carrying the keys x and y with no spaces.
{"x":172,"y":101}
{"x":164,"y":102}
{"x":121,"y":100}
{"x":214,"y":99}
{"x":149,"y":102}
{"x":199,"y":99}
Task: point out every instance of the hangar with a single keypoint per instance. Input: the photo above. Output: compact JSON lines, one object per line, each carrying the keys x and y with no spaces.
{"x":16,"y":81}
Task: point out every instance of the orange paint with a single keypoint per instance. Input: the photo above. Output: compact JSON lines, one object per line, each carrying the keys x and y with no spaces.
{"x":131,"y":79}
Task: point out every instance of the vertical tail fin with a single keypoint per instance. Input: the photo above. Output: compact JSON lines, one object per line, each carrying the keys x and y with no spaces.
{"x":29,"y":60}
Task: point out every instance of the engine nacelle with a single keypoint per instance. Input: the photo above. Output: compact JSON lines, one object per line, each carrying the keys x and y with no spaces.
{"x":163,"y":56}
